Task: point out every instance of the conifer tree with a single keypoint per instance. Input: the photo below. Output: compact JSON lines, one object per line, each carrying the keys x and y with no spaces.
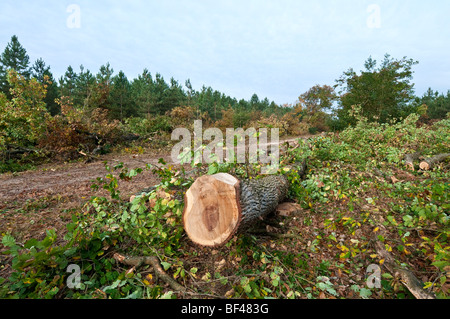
{"x":121,"y":103}
{"x":13,"y":57}
{"x":42,"y":73}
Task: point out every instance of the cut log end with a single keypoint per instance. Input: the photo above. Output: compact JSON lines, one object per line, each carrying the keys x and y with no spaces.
{"x":212,"y":210}
{"x":424,"y":166}
{"x":220,"y":205}
{"x":430,"y":162}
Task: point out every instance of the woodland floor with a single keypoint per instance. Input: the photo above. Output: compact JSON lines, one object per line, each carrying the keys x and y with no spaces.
{"x":31,"y":202}
{"x":34,"y":200}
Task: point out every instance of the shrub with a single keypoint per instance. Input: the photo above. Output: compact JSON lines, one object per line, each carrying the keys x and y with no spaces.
{"x":78,"y":129}
{"x":23,"y":118}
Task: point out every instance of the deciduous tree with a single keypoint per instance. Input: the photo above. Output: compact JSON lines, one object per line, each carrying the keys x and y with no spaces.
{"x":23,"y":117}
{"x":383,"y":93}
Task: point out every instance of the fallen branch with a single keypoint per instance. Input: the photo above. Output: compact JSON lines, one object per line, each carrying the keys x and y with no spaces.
{"x":428,"y":163}
{"x":90,"y":157}
{"x":408,"y":279}
{"x":385,"y":177}
{"x":154,"y":262}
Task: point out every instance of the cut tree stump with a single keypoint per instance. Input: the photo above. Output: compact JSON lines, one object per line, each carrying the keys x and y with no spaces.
{"x":410,"y":158}
{"x":428,"y":163}
{"x":218,"y":206}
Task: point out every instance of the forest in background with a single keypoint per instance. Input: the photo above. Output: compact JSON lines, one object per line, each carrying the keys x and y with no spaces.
{"x":88,"y":113}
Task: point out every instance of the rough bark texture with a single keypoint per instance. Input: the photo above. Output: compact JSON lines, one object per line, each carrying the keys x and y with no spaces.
{"x":218,"y":206}
{"x":410,"y":158}
{"x":428,"y":163}
{"x":260,"y":197}
{"x":408,"y":279}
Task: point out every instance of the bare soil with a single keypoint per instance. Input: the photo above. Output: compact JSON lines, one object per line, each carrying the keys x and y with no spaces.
{"x":33,"y":201}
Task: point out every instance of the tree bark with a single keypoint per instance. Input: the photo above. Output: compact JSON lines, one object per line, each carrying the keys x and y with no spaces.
{"x":410,"y":158}
{"x":408,"y":279}
{"x":428,"y":163}
{"x":218,"y":206}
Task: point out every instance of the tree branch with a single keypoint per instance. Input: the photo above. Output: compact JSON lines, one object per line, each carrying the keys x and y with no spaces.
{"x":154,"y":262}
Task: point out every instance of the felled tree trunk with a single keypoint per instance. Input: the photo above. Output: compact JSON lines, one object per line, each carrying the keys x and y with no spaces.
{"x":218,"y":206}
{"x":410,"y":158}
{"x":428,"y":163}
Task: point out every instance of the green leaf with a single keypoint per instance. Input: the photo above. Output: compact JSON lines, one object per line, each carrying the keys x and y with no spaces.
{"x":408,"y":220}
{"x":212,"y":169}
{"x":168,"y":295}
{"x":9,"y":241}
{"x":165,"y":265}
{"x":441,"y":264}
{"x":137,"y":294}
{"x":365,"y":293}
{"x":194,"y":270}
{"x":132,"y":173}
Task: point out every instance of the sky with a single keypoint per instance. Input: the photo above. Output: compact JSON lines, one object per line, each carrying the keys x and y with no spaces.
{"x":277,"y":49}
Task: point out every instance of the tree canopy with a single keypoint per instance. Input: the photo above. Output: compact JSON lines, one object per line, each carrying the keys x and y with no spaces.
{"x":383,"y":93}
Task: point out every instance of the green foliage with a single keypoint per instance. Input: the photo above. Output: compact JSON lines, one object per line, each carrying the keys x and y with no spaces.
{"x":330,"y":243}
{"x":352,"y":178}
{"x":385,"y":142}
{"x":321,"y":251}
{"x":434,"y":105}
{"x":151,"y":224}
{"x":382,"y":93}
{"x":15,"y":58}
{"x":42,"y":73}
{"x":23,"y":117}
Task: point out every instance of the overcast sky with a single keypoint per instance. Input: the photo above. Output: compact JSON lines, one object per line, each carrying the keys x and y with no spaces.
{"x":276,"y":49}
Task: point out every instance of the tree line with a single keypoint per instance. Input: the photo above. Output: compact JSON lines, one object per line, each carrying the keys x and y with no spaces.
{"x":384,"y":92}
{"x":143,"y":96}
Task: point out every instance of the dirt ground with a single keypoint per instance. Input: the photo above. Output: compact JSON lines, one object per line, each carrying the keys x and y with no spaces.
{"x":33,"y":201}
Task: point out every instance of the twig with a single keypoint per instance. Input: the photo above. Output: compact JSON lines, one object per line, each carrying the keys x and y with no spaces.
{"x":154,"y":262}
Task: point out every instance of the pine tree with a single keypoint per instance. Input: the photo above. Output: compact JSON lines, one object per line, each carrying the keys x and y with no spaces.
{"x":383,"y":93}
{"x":121,"y":103}
{"x":175,"y":95}
{"x":67,"y":83}
{"x":42,"y":73}
{"x":160,"y":94}
{"x":85,"y":82}
{"x":14,"y":57}
{"x":141,"y":91}
{"x":102,"y":88}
